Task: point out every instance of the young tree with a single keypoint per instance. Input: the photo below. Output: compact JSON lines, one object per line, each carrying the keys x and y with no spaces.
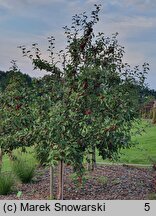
{"x":92,"y":103}
{"x":16,"y":118}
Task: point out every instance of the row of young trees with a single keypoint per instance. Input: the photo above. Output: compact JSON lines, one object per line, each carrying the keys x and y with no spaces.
{"x":90,"y":102}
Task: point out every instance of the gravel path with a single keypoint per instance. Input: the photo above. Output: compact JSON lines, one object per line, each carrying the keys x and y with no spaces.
{"x":105,"y":183}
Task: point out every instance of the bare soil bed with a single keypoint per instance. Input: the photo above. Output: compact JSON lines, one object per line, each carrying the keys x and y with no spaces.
{"x":105,"y":183}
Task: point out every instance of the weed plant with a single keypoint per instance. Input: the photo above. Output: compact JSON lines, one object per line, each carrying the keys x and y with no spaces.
{"x":152,"y":196}
{"x":103,"y":180}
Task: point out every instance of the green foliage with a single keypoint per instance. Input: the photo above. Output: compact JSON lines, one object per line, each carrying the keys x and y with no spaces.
{"x":148,"y":94}
{"x":15,"y":112}
{"x":42,"y":153}
{"x":115,"y":181}
{"x":79,"y":181}
{"x":6,"y":183}
{"x":152,"y":196}
{"x":91,"y":102}
{"x":144,"y":151}
{"x":19,"y":194}
{"x":103,"y":180}
{"x":3,"y":80}
{"x":6,"y":77}
{"x":24,"y":170}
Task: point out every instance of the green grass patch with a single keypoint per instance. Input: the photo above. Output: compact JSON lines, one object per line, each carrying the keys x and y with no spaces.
{"x":142,"y":153}
{"x":152,"y":196}
{"x":28,"y":156}
{"x":6,"y":183}
{"x":115,"y":181}
{"x":103,"y":180}
{"x":23,"y":169}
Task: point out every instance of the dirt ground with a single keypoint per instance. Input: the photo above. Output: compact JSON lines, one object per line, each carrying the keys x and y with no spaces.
{"x":107,"y":182}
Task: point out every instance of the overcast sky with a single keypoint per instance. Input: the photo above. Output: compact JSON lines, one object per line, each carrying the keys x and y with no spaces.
{"x":23,"y":22}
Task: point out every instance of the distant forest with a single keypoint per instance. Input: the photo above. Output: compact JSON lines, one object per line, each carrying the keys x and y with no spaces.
{"x":6,"y":76}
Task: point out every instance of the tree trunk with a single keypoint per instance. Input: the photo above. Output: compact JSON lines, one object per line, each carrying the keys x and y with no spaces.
{"x":88,"y":163}
{"x":51,"y":182}
{"x":61,"y":183}
{"x":93,"y":158}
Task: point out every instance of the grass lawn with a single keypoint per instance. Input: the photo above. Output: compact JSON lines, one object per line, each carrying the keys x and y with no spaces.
{"x":142,"y":153}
